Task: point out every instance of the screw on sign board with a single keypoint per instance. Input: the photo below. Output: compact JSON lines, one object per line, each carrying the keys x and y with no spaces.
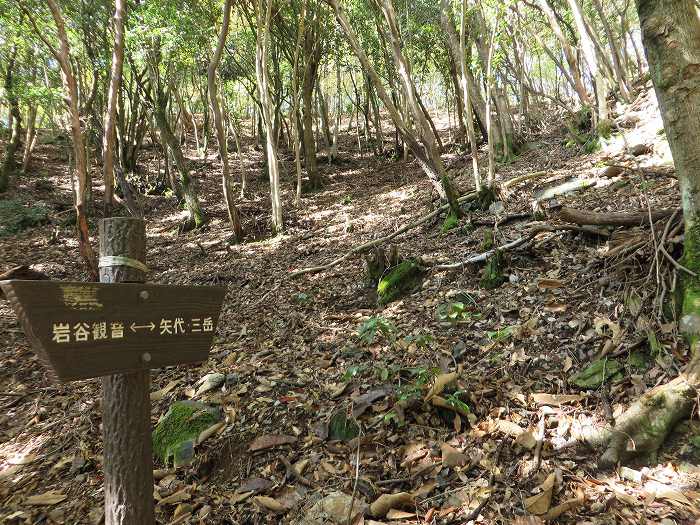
{"x":85,"y":330}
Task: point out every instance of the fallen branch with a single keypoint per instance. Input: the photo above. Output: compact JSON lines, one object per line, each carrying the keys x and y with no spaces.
{"x":536,"y":230}
{"x":366,"y":246}
{"x":612,"y":218}
{"x":522,"y":178}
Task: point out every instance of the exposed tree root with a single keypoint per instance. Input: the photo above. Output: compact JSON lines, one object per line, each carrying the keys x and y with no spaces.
{"x":643,"y":428}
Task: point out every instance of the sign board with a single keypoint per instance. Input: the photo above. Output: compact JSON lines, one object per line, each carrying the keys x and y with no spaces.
{"x":83,"y":330}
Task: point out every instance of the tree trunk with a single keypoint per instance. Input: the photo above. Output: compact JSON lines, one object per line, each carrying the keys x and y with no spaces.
{"x":294,"y":117}
{"x":112,"y":99}
{"x":434,"y":171}
{"x":126,"y":405}
{"x":311,"y":53}
{"x":79,"y":155}
{"x":620,"y":75}
{"x":568,"y":52}
{"x":426,"y":132}
{"x":262,"y":50}
{"x":226,"y":179}
{"x":9,"y":163}
{"x":196,"y":215}
{"x":30,"y":139}
{"x":671,"y":37}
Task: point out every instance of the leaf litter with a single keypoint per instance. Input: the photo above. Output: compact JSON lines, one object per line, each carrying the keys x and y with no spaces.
{"x":460,"y":400}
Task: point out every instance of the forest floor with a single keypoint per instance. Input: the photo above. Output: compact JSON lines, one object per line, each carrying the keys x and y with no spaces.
{"x":297,"y":352}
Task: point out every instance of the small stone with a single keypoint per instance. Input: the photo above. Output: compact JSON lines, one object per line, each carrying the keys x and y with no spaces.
{"x":334,"y":510}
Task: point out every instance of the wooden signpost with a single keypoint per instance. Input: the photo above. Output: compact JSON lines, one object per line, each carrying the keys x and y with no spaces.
{"x":84,"y":330}
{"x":119,"y":329}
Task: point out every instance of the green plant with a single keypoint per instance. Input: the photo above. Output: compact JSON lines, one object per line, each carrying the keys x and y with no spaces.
{"x":421,"y":340}
{"x":454,"y":312}
{"x":455,"y":402}
{"x":502,"y":334}
{"x":351,"y":372}
{"x":695,"y":441}
{"x":368,"y":330}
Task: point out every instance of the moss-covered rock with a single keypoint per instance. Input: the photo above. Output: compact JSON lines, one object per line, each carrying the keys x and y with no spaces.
{"x":597,"y":373}
{"x":177,"y":433}
{"x":399,"y":280}
{"x":493,"y":272}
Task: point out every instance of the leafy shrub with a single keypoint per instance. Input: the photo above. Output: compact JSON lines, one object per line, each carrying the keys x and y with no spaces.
{"x":368,"y":330}
{"x":15,"y":217}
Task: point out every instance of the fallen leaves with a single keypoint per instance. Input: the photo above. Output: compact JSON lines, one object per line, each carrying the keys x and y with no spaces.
{"x":384,"y":503}
{"x":51,"y":497}
{"x":439,"y":385}
{"x":556,"y":400}
{"x":269,"y":441}
{"x":451,"y":457}
{"x":540,"y":503}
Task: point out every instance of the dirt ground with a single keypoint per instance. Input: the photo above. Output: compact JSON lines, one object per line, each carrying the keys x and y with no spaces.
{"x":293,"y":357}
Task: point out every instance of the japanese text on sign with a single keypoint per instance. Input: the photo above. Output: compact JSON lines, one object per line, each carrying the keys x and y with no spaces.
{"x":104,"y":330}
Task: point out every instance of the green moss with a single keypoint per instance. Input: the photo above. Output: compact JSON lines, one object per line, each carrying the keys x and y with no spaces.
{"x":493,"y":272}
{"x":597,"y":373}
{"x":485,"y":198}
{"x":604,"y":129}
{"x":690,"y":284}
{"x":176,"y":434}
{"x":451,"y":222}
{"x":398,"y":281}
{"x":342,"y":428}
{"x":488,"y":240}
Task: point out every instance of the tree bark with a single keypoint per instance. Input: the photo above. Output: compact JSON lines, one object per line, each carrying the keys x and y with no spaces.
{"x":9,"y":163}
{"x":426,"y":132}
{"x":671,"y":37}
{"x":196,"y":215}
{"x":115,"y":80}
{"x":30,"y":139}
{"x":312,"y":56}
{"x":126,"y":404}
{"x":568,"y":51}
{"x":71,"y":88}
{"x":226,"y":179}
{"x":264,"y":8}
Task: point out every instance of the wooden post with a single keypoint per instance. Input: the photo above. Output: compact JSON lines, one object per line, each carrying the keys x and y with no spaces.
{"x":126,"y":405}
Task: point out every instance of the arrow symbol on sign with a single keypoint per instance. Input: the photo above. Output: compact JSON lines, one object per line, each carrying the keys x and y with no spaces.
{"x":135,"y":327}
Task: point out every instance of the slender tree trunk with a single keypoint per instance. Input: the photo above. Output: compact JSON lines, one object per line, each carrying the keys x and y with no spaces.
{"x":262,"y":51}
{"x":589,"y":53}
{"x":427,"y":133}
{"x":81,"y":190}
{"x":433,"y":170}
{"x":30,"y":139}
{"x":112,"y":99}
{"x":671,"y":36}
{"x":568,"y":52}
{"x":295,"y":103}
{"x":196,"y":215}
{"x":620,"y":75}
{"x":9,"y":163}
{"x":226,"y":179}
{"x":491,"y":180}
{"x":312,"y":56}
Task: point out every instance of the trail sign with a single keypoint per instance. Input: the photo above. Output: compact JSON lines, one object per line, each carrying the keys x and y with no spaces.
{"x":83,"y":330}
